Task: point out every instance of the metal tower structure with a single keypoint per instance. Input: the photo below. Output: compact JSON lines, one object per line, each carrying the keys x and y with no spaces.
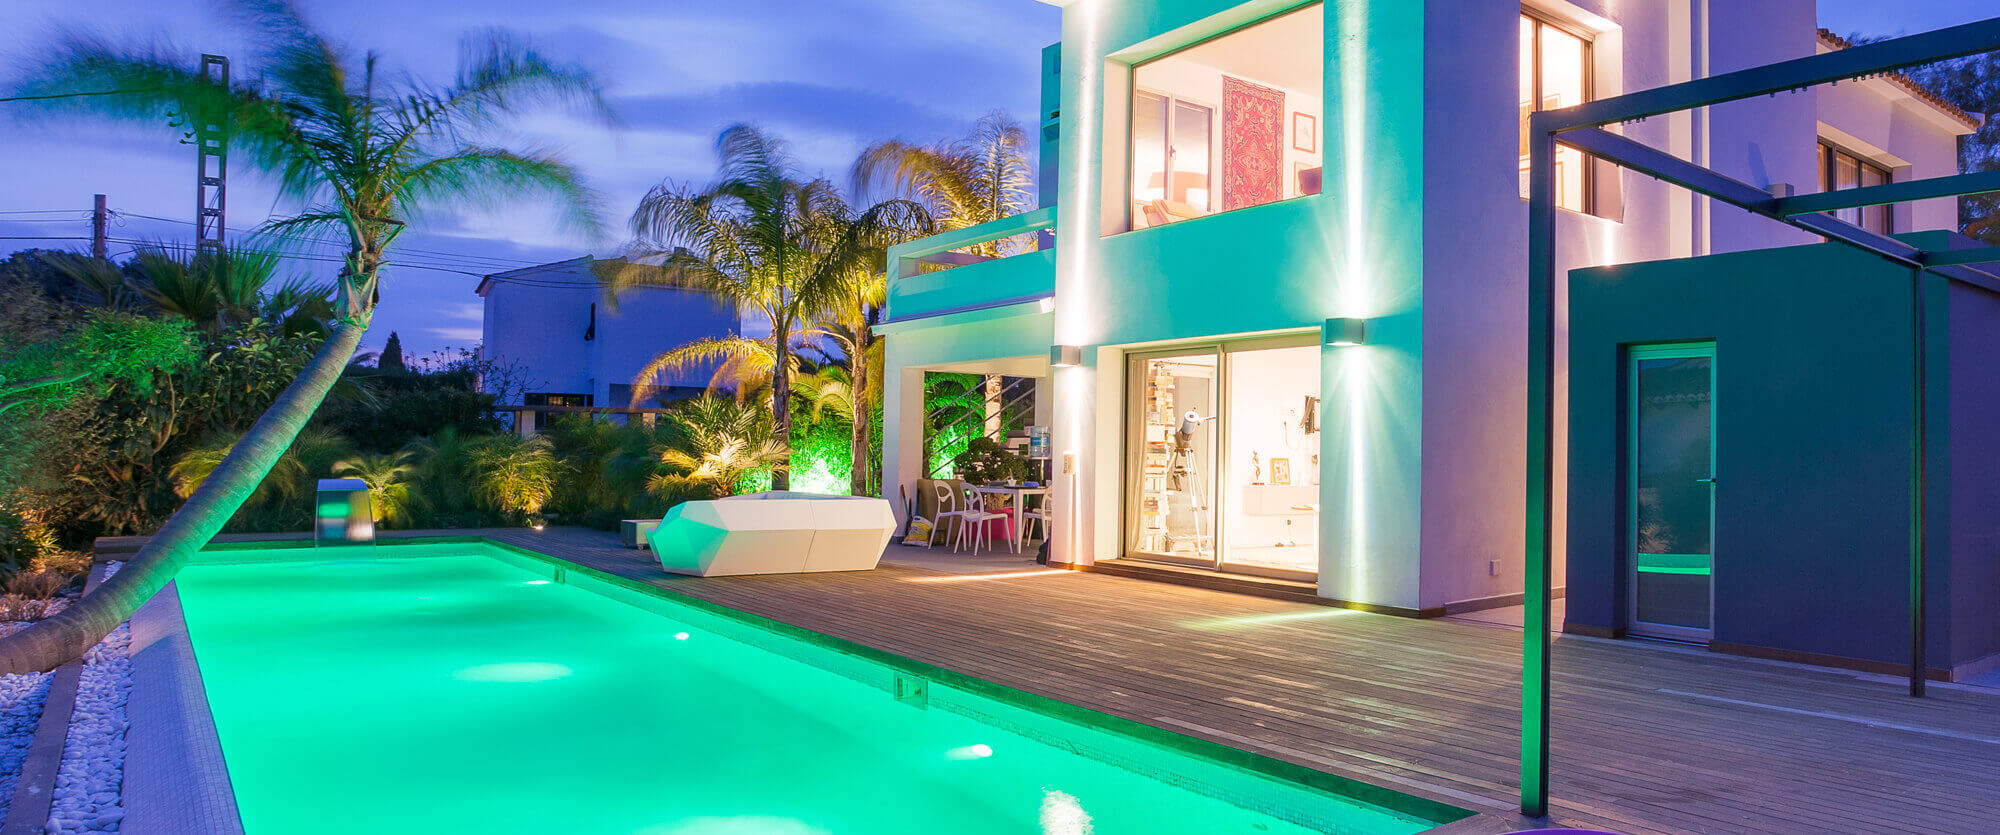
{"x":211,"y":148}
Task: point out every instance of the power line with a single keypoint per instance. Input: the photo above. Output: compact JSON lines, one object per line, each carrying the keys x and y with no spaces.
{"x":315,"y":239}
{"x":47,"y":96}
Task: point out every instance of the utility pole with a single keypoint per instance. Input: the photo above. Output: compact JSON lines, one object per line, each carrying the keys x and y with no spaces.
{"x":211,"y":148}
{"x":97,"y":228}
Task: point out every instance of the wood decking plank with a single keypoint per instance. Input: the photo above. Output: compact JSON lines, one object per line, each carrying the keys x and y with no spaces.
{"x":1411,"y":704}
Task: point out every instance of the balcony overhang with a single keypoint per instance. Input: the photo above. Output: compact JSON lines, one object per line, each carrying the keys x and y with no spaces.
{"x":971,"y":313}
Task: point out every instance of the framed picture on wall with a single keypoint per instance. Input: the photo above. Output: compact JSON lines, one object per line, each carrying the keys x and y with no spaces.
{"x":1305,"y":132}
{"x":1281,"y":471}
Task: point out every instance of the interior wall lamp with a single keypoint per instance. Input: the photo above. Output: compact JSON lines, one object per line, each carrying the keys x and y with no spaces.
{"x":1065,"y":356}
{"x":1345,"y":332}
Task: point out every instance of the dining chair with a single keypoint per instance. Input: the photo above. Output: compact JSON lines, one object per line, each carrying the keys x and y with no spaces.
{"x":943,"y":489}
{"x":973,"y":518}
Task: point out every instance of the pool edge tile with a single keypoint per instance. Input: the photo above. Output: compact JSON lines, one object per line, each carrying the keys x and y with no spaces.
{"x":175,"y":778}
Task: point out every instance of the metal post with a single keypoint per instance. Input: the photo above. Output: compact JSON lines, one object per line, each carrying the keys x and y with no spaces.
{"x":1918,"y":435}
{"x":1541,"y":469}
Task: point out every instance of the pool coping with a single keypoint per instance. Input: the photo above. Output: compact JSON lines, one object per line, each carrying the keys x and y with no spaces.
{"x":202,"y":771}
{"x":175,"y":777}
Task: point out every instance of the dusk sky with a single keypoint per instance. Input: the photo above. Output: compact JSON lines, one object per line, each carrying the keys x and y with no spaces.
{"x":829,"y":75}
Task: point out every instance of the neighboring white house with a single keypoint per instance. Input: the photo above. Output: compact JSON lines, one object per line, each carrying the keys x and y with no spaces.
{"x":576,"y":347}
{"x":1247,"y":190}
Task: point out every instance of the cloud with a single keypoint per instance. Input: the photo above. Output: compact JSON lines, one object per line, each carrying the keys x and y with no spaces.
{"x":457,"y":337}
{"x":801,"y":105}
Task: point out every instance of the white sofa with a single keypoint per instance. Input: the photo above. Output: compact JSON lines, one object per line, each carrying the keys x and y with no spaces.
{"x":777,"y":532}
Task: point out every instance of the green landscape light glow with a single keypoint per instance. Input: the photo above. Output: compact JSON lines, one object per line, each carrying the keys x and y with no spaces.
{"x":344,"y":704}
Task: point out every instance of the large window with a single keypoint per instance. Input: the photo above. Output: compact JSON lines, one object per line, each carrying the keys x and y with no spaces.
{"x":1555,"y":73}
{"x":1231,"y":122}
{"x":543,"y":420}
{"x":1839,"y":169}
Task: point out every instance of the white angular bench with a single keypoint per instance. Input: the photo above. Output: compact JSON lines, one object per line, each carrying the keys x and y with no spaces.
{"x":777,"y":532}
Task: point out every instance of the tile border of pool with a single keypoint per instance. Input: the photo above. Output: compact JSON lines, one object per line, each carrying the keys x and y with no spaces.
{"x":175,"y":778}
{"x":204,"y":778}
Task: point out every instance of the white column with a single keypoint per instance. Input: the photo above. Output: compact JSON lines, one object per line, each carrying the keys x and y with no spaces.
{"x":902,"y":432}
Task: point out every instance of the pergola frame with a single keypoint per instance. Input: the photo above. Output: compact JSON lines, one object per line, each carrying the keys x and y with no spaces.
{"x":1583,"y":127}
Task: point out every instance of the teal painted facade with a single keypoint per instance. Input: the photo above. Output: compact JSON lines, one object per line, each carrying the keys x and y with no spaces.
{"x":1813,"y":416}
{"x":1419,"y":229}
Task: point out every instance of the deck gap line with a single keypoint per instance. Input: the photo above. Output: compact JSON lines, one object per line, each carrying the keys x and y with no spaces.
{"x":1249,"y":743}
{"x":1859,"y":720}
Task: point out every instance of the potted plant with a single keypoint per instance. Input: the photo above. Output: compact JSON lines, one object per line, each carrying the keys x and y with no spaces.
{"x":986,"y":461}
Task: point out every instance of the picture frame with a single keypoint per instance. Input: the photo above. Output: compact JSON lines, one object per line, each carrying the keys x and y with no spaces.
{"x":1281,"y":471}
{"x":1305,"y":133}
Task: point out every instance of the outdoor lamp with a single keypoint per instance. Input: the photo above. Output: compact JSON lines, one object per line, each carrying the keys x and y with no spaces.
{"x":1345,"y":332}
{"x":1065,"y":356}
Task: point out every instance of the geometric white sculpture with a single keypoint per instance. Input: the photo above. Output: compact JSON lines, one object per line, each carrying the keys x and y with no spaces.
{"x":777,"y":532}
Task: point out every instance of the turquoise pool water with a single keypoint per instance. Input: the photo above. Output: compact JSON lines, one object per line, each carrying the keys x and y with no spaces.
{"x":469,"y":692}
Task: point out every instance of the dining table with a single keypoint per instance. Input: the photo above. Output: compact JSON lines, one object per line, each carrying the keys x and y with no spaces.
{"x":1017,"y":496}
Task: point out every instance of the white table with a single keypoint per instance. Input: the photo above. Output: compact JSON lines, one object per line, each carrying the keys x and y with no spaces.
{"x":1019,"y":494}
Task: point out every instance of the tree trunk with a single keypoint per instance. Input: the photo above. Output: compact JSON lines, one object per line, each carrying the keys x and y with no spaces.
{"x":781,"y":404}
{"x":857,"y":443}
{"x":55,"y":641}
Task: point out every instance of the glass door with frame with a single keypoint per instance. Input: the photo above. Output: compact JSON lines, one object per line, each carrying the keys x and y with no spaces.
{"x":1172,"y":448}
{"x":1670,"y":457}
{"x":1222,"y":457}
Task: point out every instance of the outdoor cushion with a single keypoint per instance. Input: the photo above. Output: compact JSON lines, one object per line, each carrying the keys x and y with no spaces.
{"x":779,"y":532}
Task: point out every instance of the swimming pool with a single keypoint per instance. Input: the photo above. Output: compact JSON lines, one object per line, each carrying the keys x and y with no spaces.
{"x":468,"y":687}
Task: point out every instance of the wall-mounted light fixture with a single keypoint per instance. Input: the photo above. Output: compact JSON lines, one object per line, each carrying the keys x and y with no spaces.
{"x":1344,"y":332}
{"x":1065,"y":356}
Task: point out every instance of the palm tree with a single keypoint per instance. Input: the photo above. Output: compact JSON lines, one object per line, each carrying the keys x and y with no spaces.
{"x":723,"y":440}
{"x":212,"y":288}
{"x":961,"y":182}
{"x":763,"y":237}
{"x":850,"y":324}
{"x":361,"y":153}
{"x":740,"y":364}
{"x":388,"y":477}
{"x":98,"y":275}
{"x":513,"y":474}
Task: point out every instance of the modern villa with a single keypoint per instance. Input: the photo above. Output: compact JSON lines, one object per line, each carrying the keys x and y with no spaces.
{"x":578,"y":347}
{"x":1276,"y":314}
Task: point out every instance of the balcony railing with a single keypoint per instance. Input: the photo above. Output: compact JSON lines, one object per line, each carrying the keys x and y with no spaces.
{"x":1009,"y":261}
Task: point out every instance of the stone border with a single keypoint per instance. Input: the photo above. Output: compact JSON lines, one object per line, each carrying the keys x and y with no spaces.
{"x":175,"y":778}
{"x":35,"y":790}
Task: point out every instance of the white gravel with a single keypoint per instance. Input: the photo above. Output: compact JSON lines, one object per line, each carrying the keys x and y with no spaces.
{"x":21,"y":698}
{"x":87,"y":797}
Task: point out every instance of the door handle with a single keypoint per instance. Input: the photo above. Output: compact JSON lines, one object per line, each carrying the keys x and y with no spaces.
{"x":1706,"y":480}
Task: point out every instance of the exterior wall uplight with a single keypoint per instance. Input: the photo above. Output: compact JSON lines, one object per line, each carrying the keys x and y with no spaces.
{"x":1065,"y":356}
{"x":1345,"y":332}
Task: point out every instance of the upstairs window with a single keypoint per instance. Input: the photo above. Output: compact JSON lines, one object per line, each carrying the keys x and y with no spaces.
{"x":1555,"y":73}
{"x":1839,"y":169}
{"x":1230,"y":122}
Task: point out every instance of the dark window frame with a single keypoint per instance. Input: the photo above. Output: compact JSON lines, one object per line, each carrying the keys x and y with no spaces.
{"x":1542,"y":21}
{"x":543,"y":398}
{"x":1830,"y":155}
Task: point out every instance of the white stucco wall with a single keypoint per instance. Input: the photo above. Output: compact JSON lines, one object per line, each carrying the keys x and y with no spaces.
{"x":538,"y":317}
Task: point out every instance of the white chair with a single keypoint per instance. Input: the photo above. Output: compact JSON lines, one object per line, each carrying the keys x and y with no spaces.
{"x":973,"y":520}
{"x":1029,"y":519}
{"x":944,"y":499}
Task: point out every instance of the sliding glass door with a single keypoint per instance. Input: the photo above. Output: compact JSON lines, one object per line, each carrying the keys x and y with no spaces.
{"x":1172,"y":400}
{"x":1223,"y":456}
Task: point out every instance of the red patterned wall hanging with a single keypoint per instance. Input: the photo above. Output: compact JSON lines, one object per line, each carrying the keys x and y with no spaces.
{"x":1253,"y":144}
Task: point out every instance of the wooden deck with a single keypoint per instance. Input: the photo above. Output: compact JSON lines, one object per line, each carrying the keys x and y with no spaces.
{"x":1647,"y":737}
